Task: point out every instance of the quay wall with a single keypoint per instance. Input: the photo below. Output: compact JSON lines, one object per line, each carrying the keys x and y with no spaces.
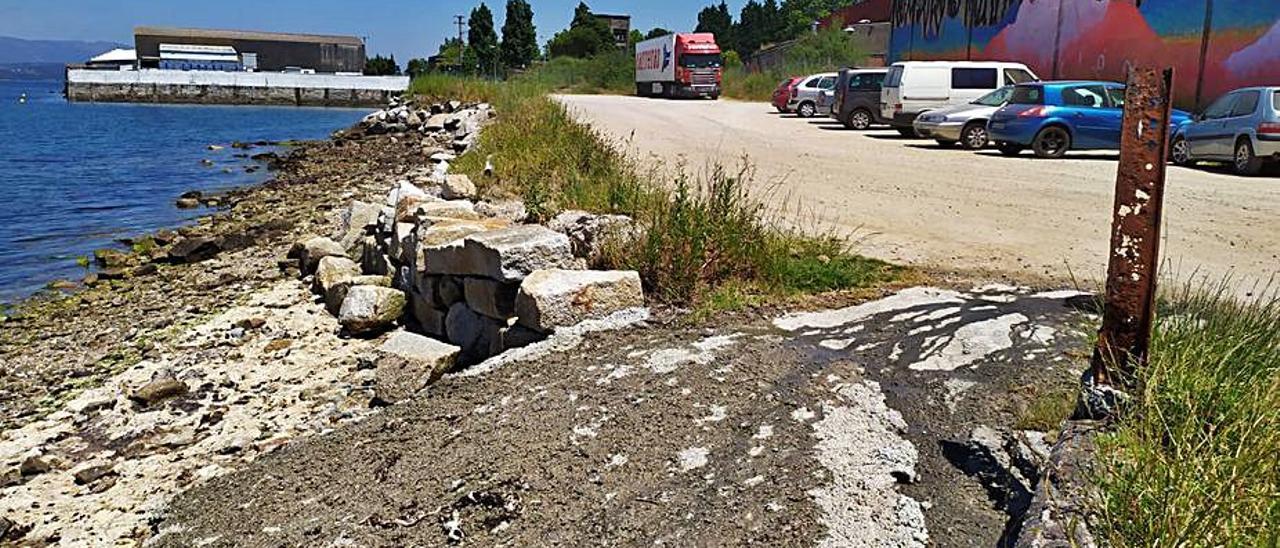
{"x":231,"y":88}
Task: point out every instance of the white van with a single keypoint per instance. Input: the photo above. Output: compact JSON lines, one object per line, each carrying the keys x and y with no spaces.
{"x":913,"y":87}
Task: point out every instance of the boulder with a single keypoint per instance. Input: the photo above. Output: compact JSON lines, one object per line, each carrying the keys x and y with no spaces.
{"x":435,"y":123}
{"x":519,"y":336}
{"x":589,"y":232}
{"x":462,"y":210}
{"x":440,"y":157}
{"x":493,"y":299}
{"x":506,"y":255}
{"x":408,"y":362}
{"x":194,"y":250}
{"x":187,"y":203}
{"x":315,"y":249}
{"x":509,"y":210}
{"x":336,"y":294}
{"x":371,"y":309}
{"x":331,"y":271}
{"x":550,"y":299}
{"x":356,"y":220}
{"x":113,"y":258}
{"x":163,"y":385}
{"x":458,"y":187}
{"x":404,"y":190}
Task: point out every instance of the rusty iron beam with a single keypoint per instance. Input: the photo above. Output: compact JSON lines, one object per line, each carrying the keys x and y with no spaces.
{"x":1123,"y":342}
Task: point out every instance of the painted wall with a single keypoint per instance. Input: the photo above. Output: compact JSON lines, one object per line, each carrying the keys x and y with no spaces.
{"x":1214,"y":45}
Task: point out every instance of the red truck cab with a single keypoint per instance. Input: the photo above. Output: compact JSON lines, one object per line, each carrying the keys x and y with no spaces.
{"x":679,"y":65}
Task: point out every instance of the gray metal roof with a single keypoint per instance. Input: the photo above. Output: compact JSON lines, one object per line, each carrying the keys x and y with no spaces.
{"x":189,"y":33}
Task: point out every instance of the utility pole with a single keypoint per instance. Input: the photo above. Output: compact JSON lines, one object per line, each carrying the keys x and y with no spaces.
{"x":462,"y":43}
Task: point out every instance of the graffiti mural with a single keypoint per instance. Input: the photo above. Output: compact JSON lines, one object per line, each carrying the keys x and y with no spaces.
{"x":1215,"y":45}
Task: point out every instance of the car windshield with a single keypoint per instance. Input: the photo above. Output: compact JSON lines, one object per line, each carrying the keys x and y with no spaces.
{"x":996,"y":98}
{"x":701,"y":60}
{"x":1027,"y":95}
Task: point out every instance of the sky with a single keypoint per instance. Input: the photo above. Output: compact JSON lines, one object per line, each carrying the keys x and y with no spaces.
{"x":405,"y":28}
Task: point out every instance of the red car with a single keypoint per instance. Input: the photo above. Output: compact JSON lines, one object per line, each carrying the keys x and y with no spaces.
{"x":782,"y":95}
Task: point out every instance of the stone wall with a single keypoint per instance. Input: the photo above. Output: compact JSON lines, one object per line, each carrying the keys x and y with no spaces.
{"x":457,"y":278}
{"x":160,"y":86}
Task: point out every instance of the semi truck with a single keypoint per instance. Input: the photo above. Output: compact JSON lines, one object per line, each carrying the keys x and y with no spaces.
{"x":679,"y":65}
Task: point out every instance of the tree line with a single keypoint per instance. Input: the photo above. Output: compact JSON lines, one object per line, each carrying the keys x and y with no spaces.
{"x":483,"y":53}
{"x":762,"y":23}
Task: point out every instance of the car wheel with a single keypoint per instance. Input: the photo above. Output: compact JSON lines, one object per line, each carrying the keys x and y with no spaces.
{"x":974,"y":136}
{"x":1246,"y":162}
{"x":807,"y":110}
{"x":1051,"y":142}
{"x":907,"y":132}
{"x":1009,"y":149}
{"x":1180,"y":152}
{"x":859,"y":119}
{"x":945,"y":143}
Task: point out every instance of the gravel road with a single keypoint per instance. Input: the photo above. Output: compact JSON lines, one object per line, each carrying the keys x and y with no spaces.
{"x":913,"y":202}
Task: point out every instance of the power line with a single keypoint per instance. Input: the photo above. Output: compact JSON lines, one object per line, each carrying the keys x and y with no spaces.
{"x":462,"y":43}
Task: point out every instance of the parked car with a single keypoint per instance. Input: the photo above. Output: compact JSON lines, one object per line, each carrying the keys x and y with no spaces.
{"x":804,"y":95}
{"x":1241,"y":127}
{"x":915,"y":87}
{"x":965,"y":124}
{"x":782,"y":95}
{"x":856,"y":97}
{"x":1054,"y":117}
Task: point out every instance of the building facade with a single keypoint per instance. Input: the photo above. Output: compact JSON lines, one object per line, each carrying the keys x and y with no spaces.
{"x":620,"y":26}
{"x":165,"y":47}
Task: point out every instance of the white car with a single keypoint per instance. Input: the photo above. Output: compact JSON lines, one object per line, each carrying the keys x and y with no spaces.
{"x":804,"y":96}
{"x":915,"y":87}
{"x":965,"y":123}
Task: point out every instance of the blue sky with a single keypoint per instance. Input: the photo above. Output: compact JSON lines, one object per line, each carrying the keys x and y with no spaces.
{"x":407,"y":28}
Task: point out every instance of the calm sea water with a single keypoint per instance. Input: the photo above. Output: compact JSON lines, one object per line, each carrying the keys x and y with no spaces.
{"x":77,"y":177}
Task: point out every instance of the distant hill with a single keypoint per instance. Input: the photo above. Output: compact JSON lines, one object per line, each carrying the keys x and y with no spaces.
{"x":19,"y":51}
{"x":32,"y":71}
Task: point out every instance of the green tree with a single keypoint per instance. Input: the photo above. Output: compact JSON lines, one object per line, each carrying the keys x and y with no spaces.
{"x":656,"y":32}
{"x":519,"y":36}
{"x":482,"y":39}
{"x":799,"y":15}
{"x":636,"y":37}
{"x":586,"y":36}
{"x":417,"y":67}
{"x":717,"y":20}
{"x":381,"y":66}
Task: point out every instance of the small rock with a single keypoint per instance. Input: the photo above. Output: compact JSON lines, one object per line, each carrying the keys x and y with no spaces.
{"x":371,"y":309}
{"x":33,"y":466}
{"x":458,"y":187}
{"x":253,"y":323}
{"x":317,"y":248}
{"x":187,"y":203}
{"x":113,"y":258}
{"x":11,"y":530}
{"x":163,"y":385}
{"x":277,"y":345}
{"x":91,"y":474}
{"x":194,"y":250}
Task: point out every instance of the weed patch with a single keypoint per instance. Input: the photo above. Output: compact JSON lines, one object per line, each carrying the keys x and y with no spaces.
{"x":1194,"y":461}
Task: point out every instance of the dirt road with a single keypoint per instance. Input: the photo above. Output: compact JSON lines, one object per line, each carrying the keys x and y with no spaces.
{"x":916,"y":203}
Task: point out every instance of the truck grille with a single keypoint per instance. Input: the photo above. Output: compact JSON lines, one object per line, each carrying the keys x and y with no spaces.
{"x":703,"y":78}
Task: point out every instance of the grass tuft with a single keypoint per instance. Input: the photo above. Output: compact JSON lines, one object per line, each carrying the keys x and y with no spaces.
{"x":1194,"y":461}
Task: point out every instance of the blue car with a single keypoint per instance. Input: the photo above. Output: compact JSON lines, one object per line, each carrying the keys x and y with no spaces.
{"x":1052,"y":118}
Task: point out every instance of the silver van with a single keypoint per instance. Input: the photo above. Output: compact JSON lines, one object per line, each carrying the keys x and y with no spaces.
{"x":1241,"y":127}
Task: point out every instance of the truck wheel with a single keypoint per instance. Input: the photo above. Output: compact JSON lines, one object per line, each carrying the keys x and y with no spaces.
{"x":1052,"y":142}
{"x":807,"y":110}
{"x":859,"y":119}
{"x":1246,"y":162}
{"x":974,"y":135}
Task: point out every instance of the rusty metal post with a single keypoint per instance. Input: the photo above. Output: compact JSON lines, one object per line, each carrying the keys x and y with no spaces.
{"x":1135,"y":229}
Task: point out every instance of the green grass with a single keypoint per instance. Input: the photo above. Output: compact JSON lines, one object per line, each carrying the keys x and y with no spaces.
{"x":1196,"y":460}
{"x":702,"y":233}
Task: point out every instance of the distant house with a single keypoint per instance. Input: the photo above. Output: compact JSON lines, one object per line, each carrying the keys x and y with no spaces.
{"x":620,"y":25}
{"x":207,"y":49}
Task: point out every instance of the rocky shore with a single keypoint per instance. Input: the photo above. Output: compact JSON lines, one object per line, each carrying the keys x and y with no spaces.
{"x":369,"y":351}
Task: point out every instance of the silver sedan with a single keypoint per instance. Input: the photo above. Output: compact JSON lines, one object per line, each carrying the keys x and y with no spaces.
{"x":965,"y":123}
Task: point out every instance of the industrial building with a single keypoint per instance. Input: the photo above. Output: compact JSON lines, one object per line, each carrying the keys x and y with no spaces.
{"x":620,"y":26}
{"x":234,"y":50}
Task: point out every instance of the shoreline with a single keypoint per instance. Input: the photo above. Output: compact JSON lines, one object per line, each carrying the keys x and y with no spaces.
{"x":55,"y":344}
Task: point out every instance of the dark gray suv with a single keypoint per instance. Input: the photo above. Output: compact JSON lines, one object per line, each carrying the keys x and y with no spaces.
{"x":857,"y":100}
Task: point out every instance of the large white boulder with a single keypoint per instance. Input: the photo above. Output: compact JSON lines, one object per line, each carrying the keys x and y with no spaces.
{"x":506,"y":255}
{"x":408,"y":362}
{"x":550,"y":299}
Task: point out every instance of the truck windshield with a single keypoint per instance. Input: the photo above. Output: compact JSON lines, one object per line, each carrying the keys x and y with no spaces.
{"x":700,"y":60}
